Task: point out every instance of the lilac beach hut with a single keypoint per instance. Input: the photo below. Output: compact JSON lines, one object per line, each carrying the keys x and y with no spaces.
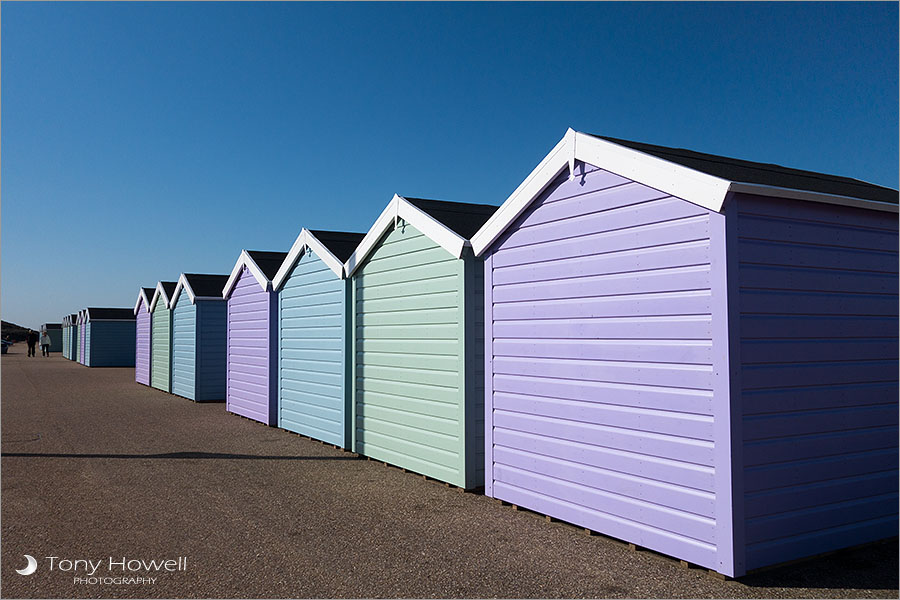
{"x":693,"y":353}
{"x":252,"y":338}
{"x":142,"y":318}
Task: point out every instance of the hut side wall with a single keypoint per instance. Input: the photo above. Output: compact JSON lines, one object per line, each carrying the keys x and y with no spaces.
{"x":818,"y":377}
{"x":410,"y":404}
{"x":87,"y":344}
{"x":55,"y":339}
{"x":210,"y":353}
{"x":161,"y":348}
{"x":312,"y":332}
{"x":82,"y":334}
{"x":65,"y":348}
{"x":251,"y":375}
{"x":142,"y":345}
{"x":184,"y":347}
{"x":112,"y":343}
{"x":76,"y":337}
{"x":607,"y":386}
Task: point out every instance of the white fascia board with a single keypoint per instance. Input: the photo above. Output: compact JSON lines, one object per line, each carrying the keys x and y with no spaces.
{"x":319,"y":249}
{"x":306,"y":240}
{"x":532,"y":187}
{"x":142,"y":296}
{"x":159,"y":293}
{"x":182,"y":285}
{"x":791,"y":194}
{"x":292,"y":257}
{"x":244,"y":260}
{"x":400,"y":208}
{"x":679,"y":181}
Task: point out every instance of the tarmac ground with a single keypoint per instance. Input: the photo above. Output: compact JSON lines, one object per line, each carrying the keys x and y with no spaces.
{"x":96,"y":467}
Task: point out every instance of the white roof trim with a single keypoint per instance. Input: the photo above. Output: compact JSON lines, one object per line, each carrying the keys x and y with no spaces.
{"x":141,"y":296}
{"x":305,"y":240}
{"x":244,"y":260}
{"x":182,"y":285}
{"x":400,"y":208}
{"x":792,"y":194}
{"x":156,"y":295}
{"x":696,"y":187}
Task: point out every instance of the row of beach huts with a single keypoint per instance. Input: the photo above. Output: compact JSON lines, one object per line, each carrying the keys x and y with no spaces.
{"x":691,"y":353}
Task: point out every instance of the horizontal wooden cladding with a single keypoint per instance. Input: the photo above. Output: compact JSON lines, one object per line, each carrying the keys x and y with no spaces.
{"x":683,"y":449}
{"x":798,"y":472}
{"x":416,"y":272}
{"x":625,"y":261}
{"x":608,"y":329}
{"x":779,"y":400}
{"x":817,"y":327}
{"x":696,"y":377}
{"x":161,"y":348}
{"x":816,"y":303}
{"x":781,"y":277}
{"x":800,"y":497}
{"x":815,"y":233}
{"x":636,"y":206}
{"x":768,"y":376}
{"x":639,"y":235}
{"x":825,"y":540}
{"x":698,"y":402}
{"x":560,"y":502}
{"x":818,"y":445}
{"x":641,"y":350}
{"x":793,"y":254}
{"x":818,"y":350}
{"x":611,"y":415}
{"x":416,"y":390}
{"x":248,"y":342}
{"x":797,"y":423}
{"x":408,"y":437}
{"x":142,"y":346}
{"x":692,"y":303}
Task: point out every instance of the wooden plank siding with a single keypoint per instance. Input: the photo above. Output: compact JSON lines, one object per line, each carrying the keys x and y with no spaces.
{"x":142,"y":345}
{"x":87,"y":344}
{"x":82,"y":333}
{"x":312,"y":337}
{"x":818,"y":343}
{"x":418,"y":395}
{"x":605,"y":302}
{"x":111,"y":343}
{"x":184,"y":347}
{"x":75,"y":342}
{"x":210,"y":351}
{"x":251,"y":375}
{"x":161,"y":348}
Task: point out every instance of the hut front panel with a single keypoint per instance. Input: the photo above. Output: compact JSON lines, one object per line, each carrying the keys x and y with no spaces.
{"x":55,"y":340}
{"x":409,"y":401}
{"x":65,"y":350}
{"x":251,"y":392}
{"x":142,"y":346}
{"x":312,"y":334}
{"x":112,"y":343}
{"x":75,"y":342}
{"x":818,"y":356}
{"x":87,"y":343}
{"x":210,"y":352}
{"x":184,"y":347}
{"x":601,"y":329}
{"x":161,"y":348}
{"x":82,"y":334}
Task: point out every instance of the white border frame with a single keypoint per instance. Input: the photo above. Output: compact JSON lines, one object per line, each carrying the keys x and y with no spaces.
{"x":137,"y":303}
{"x":400,"y":208}
{"x":245,"y":260}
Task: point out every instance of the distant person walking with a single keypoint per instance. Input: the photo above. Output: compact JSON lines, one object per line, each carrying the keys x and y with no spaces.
{"x":31,"y":340}
{"x":45,"y":343}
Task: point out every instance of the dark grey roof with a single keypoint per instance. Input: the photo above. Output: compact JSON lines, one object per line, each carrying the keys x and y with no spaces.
{"x":462,"y":217}
{"x":52,"y":325}
{"x":206,"y":285}
{"x":73,"y":316}
{"x":149,"y":293}
{"x":340,"y":243}
{"x":745,"y":171}
{"x":268,"y":262}
{"x":168,"y":287}
{"x":111,"y":314}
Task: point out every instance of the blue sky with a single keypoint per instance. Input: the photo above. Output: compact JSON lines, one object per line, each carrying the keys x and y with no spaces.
{"x":143,"y":140}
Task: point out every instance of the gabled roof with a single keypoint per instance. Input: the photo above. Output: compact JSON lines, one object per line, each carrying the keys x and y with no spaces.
{"x":52,"y":325}
{"x":333,"y":247}
{"x":81,"y":315}
{"x":262,"y":265}
{"x":109,"y":314}
{"x":145,"y":294}
{"x":703,"y":179}
{"x":199,"y":285}
{"x":164,"y":290}
{"x":72,"y":318}
{"x":445,"y":223}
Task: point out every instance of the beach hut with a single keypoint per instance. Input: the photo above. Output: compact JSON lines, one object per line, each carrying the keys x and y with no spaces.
{"x":198,"y":337}
{"x":142,"y":335}
{"x":81,"y":337}
{"x":251,"y":348}
{"x":76,"y":337}
{"x":67,"y":337}
{"x":418,"y":385}
{"x":109,"y":337}
{"x":54,"y":330}
{"x":314,"y":336}
{"x":161,"y":336}
{"x":694,"y":353}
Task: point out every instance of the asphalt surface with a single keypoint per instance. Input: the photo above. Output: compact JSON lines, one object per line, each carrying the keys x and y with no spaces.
{"x":96,"y":466}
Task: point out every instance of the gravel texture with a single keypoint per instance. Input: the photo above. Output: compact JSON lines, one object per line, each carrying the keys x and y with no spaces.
{"x":95,"y":465}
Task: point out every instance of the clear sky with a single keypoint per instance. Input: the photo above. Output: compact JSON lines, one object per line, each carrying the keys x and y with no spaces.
{"x":143,"y":140}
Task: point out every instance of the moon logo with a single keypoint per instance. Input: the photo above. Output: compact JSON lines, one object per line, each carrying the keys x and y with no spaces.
{"x":31,"y":568}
